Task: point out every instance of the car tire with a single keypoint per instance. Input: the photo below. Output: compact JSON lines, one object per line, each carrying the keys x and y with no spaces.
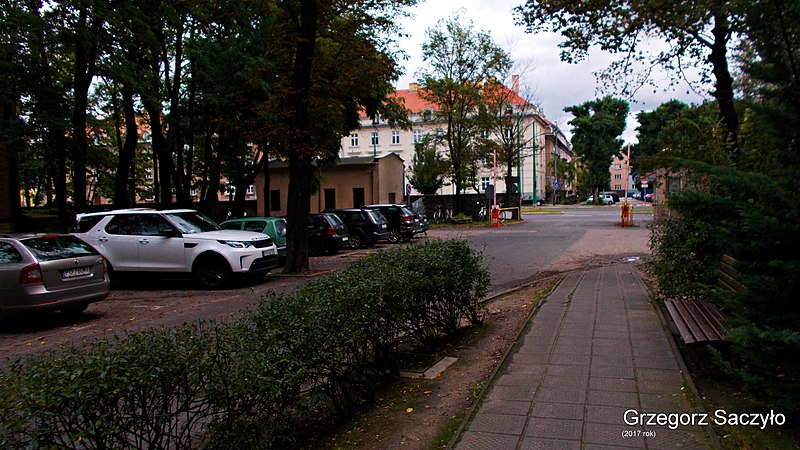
{"x":357,"y":240}
{"x":394,"y":237}
{"x":316,"y":247}
{"x":212,"y":271}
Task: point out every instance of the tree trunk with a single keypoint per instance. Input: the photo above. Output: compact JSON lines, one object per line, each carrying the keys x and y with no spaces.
{"x":162,"y":155}
{"x":299,"y":204}
{"x":127,"y":151}
{"x":300,"y":167}
{"x":723,"y":91}
{"x":9,"y":154}
{"x":265,"y":192}
{"x":85,"y":62}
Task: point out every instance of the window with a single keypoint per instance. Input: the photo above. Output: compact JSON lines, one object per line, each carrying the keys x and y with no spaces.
{"x":392,"y":197}
{"x":61,"y":247}
{"x":617,"y":187}
{"x":426,"y":115}
{"x":485,"y":183}
{"x":255,"y":225}
{"x":251,"y":190}
{"x":395,"y":137}
{"x":417,"y":136}
{"x":358,"y":197}
{"x":354,"y":140}
{"x":275,"y":200}
{"x":509,"y":133}
{"x":617,"y":176}
{"x":192,"y":193}
{"x":375,"y":138}
{"x":330,"y":198}
{"x":148,"y":174}
{"x":9,"y":254}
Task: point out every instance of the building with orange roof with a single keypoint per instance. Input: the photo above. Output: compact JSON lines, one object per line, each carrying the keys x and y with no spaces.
{"x":539,"y":140}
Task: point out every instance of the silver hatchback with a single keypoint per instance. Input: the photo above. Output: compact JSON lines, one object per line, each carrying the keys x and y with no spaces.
{"x":48,"y":273}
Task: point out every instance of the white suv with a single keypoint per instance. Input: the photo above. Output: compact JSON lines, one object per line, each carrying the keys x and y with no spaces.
{"x":176,"y":241}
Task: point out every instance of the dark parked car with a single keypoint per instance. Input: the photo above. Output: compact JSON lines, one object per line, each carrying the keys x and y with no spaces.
{"x":403,"y":223}
{"x":528,"y":200}
{"x":326,"y":233}
{"x":53,"y":272}
{"x":364,"y":226}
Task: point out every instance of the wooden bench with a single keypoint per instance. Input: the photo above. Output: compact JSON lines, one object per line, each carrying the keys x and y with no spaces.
{"x":700,"y":321}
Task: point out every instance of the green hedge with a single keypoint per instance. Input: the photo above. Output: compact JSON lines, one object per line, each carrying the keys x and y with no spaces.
{"x":754,"y":219}
{"x":315,"y":352}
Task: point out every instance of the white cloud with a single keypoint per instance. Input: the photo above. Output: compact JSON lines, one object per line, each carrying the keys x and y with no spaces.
{"x":556,"y":83}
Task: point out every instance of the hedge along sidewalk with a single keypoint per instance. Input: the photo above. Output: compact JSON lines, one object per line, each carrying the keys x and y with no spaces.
{"x":320,"y":350}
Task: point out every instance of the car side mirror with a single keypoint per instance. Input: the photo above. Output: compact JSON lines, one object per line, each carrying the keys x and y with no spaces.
{"x":168,"y":232}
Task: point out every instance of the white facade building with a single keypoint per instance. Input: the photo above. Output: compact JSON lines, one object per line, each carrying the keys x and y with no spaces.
{"x":534,"y":137}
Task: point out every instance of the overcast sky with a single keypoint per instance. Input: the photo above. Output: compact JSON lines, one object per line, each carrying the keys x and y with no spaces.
{"x":555,"y":84}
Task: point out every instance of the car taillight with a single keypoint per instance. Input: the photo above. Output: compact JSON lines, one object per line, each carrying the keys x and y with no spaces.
{"x":30,"y":275}
{"x":330,"y":231}
{"x":105,"y":266}
{"x":408,"y":219}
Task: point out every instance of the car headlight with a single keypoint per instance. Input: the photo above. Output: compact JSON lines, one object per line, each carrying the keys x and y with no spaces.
{"x":238,"y":244}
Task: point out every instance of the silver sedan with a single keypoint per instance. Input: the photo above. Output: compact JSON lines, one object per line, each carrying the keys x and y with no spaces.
{"x":55,"y":272}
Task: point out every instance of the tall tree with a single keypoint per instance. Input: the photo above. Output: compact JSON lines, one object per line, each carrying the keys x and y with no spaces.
{"x":699,"y":33}
{"x":508,"y":115}
{"x":597,"y":127}
{"x":340,"y":65}
{"x":459,"y":62}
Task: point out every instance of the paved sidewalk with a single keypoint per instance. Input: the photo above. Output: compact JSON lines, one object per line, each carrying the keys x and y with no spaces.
{"x":594,"y":350}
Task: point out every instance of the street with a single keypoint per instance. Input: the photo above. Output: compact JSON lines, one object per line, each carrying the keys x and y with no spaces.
{"x":516,"y":253}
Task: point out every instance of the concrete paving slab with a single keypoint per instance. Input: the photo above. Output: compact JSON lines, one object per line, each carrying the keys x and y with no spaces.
{"x":596,"y":349}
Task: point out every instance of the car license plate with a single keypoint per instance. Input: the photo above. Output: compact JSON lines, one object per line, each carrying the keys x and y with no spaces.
{"x":345,"y":239}
{"x":269,"y":251}
{"x":76,"y":272}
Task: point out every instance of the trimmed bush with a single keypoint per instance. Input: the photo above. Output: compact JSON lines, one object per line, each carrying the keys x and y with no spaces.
{"x":247,"y":383}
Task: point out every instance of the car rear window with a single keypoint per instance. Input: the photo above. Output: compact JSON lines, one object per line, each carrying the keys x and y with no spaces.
{"x":280,"y":227}
{"x":231,"y":225}
{"x":334,"y":220}
{"x":376,"y":216}
{"x":9,"y":254}
{"x":52,"y":248}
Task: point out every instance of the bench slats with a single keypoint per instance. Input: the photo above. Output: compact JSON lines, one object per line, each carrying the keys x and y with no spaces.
{"x":701,"y":322}
{"x":698,"y":322}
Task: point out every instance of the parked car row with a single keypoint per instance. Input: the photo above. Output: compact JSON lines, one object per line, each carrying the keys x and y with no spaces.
{"x":67,"y":272}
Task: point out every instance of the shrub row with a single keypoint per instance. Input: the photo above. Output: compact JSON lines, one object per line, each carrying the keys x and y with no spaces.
{"x":317,"y":351}
{"x":747,"y":216}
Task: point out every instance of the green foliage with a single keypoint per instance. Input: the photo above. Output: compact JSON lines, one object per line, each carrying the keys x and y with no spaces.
{"x":428,"y":167}
{"x":746,"y":215}
{"x":245,"y":383}
{"x":459,"y":60}
{"x":597,"y":127}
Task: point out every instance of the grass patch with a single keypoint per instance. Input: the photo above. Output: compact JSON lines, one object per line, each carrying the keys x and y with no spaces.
{"x":721,"y":394}
{"x":443,"y":438}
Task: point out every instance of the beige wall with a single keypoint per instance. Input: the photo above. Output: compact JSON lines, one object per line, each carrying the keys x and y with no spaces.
{"x":378,"y":178}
